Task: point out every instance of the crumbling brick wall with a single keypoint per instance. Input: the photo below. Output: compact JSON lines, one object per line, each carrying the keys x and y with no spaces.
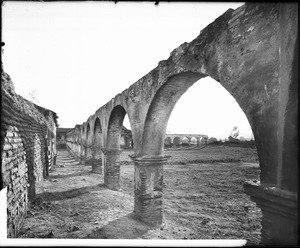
{"x":23,"y":148}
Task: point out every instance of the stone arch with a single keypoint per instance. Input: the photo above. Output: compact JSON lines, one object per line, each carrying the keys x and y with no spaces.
{"x":160,"y":110}
{"x":97,"y":140}
{"x":185,"y":141}
{"x":202,"y":140}
{"x":88,"y":134}
{"x":88,"y":142}
{"x":168,"y":141}
{"x":165,"y":100}
{"x":154,"y":130}
{"x":176,"y":141}
{"x":82,"y":134}
{"x":82,"y":144}
{"x":112,"y":150}
{"x":97,"y":133}
{"x":115,"y":125}
{"x":193,"y":141}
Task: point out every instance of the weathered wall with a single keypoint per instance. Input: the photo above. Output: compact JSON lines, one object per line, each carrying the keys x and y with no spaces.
{"x":240,"y":49}
{"x":23,"y":148}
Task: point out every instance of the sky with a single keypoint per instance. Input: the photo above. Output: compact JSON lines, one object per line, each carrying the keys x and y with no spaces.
{"x":74,"y":57}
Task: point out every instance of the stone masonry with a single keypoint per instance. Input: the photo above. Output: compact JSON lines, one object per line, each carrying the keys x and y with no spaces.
{"x":25,"y":129}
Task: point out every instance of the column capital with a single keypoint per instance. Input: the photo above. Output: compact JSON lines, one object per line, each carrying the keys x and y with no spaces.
{"x":149,"y":160}
{"x":111,"y":151}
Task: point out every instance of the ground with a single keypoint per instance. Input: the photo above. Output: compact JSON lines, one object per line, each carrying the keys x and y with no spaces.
{"x":203,"y":199}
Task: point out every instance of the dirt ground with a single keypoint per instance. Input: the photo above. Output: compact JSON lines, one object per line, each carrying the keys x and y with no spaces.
{"x":203,"y":199}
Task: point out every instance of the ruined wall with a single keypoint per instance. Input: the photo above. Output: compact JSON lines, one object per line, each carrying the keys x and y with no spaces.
{"x":23,"y":148}
{"x":61,"y":138}
{"x":73,"y":141}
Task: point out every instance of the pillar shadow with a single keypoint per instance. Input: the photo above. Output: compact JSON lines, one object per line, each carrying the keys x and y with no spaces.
{"x":127,"y":227}
{"x":69,"y":175}
{"x":58,"y":196}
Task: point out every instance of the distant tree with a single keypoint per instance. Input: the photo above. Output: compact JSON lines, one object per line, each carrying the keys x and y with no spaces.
{"x":234,"y":133}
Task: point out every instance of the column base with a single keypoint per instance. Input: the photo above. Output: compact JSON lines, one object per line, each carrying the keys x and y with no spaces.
{"x":81,"y":161}
{"x":148,"y":189}
{"x":280,"y":214}
{"x":112,"y":168}
{"x":97,"y":166}
{"x":89,"y":162}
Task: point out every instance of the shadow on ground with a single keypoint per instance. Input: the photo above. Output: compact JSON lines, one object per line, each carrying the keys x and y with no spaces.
{"x":127,"y":227}
{"x":69,"y":175}
{"x":58,"y":196}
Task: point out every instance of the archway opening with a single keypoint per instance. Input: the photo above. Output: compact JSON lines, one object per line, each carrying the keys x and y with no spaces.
{"x":205,"y":185}
{"x":193,"y":141}
{"x":176,"y":141}
{"x":98,"y":139}
{"x":168,"y":142}
{"x":185,"y":141}
{"x":82,"y":142}
{"x":126,"y":135}
{"x":83,"y":135}
{"x":119,"y":146}
{"x":115,"y":127}
{"x":88,"y":143}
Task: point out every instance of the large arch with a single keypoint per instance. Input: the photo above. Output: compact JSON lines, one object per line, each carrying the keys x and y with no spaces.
{"x":168,"y":141}
{"x":112,"y":150}
{"x":83,"y":134}
{"x":115,"y":125}
{"x":194,"y":140}
{"x":82,"y":146}
{"x":97,"y":134}
{"x":176,"y":141}
{"x":97,"y":145}
{"x":160,"y":110}
{"x":88,"y":144}
{"x":155,"y":127}
{"x":185,"y":141}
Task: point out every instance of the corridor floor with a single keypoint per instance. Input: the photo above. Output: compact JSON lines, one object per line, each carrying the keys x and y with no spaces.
{"x":201,"y":201}
{"x":73,"y":203}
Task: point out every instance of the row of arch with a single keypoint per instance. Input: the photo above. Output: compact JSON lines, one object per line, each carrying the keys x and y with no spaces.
{"x":249,"y":70}
{"x":185,"y":140}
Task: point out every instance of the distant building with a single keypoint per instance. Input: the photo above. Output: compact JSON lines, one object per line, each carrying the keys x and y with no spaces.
{"x":126,"y":138}
{"x":61,"y":137}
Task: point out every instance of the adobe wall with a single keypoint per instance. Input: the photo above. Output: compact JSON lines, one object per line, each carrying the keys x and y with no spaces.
{"x":24,"y":151}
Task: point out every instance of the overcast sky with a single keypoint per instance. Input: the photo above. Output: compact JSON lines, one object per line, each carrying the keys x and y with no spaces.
{"x":76,"y":56}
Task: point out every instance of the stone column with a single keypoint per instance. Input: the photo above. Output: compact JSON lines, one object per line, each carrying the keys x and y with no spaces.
{"x":279,"y":209}
{"x":148,"y":183}
{"x":97,"y":160}
{"x":88,"y":156}
{"x":82,"y":155}
{"x":112,"y":168}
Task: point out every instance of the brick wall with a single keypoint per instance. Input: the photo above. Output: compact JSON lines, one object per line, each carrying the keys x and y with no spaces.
{"x":24,"y":129}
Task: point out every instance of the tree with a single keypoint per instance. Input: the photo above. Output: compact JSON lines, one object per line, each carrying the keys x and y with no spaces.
{"x":234,"y":133}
